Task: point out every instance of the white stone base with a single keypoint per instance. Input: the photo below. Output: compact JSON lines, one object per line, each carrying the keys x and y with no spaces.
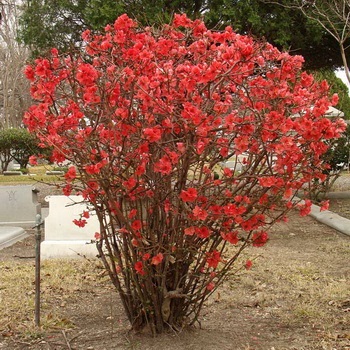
{"x":68,"y":249}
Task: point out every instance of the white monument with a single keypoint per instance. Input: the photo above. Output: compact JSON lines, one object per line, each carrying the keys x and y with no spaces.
{"x":63,"y":238}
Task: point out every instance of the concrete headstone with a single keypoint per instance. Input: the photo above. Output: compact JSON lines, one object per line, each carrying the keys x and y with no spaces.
{"x":18,"y":205}
{"x":63,"y":238}
{"x":10,"y":235}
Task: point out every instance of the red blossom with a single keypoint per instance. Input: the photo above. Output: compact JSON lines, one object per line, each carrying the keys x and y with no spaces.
{"x":136,"y":225}
{"x":213,"y":259}
{"x":132,"y":214}
{"x":29,"y":72}
{"x":305,"y":209}
{"x":210,"y":286}
{"x":71,"y":174}
{"x":189,"y":195}
{"x":33,"y":160}
{"x":67,"y":190}
{"x":163,"y":166}
{"x":231,"y":237}
{"x":199,"y":213}
{"x":97,"y":236}
{"x":157,"y":259}
{"x":203,"y":232}
{"x":248,"y":264}
{"x":80,"y":222}
{"x":190,"y":231}
{"x":146,"y":256}
{"x":86,"y":74}
{"x":139,"y":268}
{"x":153,"y":134}
{"x":260,"y":238}
{"x":324,"y":205}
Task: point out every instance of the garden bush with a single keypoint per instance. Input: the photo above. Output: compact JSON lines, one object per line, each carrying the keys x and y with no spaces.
{"x":17,"y":144}
{"x":149,"y":117}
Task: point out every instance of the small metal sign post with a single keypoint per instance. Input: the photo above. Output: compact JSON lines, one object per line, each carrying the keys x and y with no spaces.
{"x":38,"y":223}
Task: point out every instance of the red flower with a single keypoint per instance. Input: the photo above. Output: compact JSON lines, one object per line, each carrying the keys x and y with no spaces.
{"x":231,"y":237}
{"x":190,"y":231}
{"x":86,"y":74}
{"x":199,"y":213}
{"x":305,"y":209}
{"x":153,"y":134}
{"x":324,"y":205}
{"x":93,"y":168}
{"x":93,"y":185}
{"x":85,"y":214}
{"x":33,"y":160}
{"x":97,"y":236}
{"x":181,"y":21}
{"x":189,"y":196}
{"x":146,"y":256}
{"x":67,"y":190}
{"x":139,"y":268}
{"x":80,"y":222}
{"x":163,"y":166}
{"x":248,"y":264}
{"x":130,"y":183}
{"x":213,"y":258}
{"x":29,"y":73}
{"x":210,"y":286}
{"x":203,"y":232}
{"x":136,"y":225}
{"x":260,"y":238}
{"x":71,"y":174}
{"x":157,"y":259}
{"x":132,"y":213}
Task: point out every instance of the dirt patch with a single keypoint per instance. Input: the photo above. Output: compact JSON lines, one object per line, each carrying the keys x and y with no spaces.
{"x":340,"y":206}
{"x":296,"y":296}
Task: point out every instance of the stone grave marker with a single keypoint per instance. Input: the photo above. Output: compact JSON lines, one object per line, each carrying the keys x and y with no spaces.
{"x":18,"y":205}
{"x":64,"y":239}
{"x":10,"y":235}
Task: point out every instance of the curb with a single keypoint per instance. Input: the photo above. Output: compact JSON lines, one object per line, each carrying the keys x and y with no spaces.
{"x":331,"y":219}
{"x":338,"y":195}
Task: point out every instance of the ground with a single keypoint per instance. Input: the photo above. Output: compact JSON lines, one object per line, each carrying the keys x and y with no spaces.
{"x":296,"y":296}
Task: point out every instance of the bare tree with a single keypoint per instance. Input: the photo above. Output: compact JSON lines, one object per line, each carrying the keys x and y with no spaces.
{"x":332,"y":15}
{"x":14,"y":89}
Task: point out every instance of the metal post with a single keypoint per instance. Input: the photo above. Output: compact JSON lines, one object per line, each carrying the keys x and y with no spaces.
{"x":38,"y":223}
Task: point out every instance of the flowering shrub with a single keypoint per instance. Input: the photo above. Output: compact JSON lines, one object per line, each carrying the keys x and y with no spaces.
{"x":148,"y":117}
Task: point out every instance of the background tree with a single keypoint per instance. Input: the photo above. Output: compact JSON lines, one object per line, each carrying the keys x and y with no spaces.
{"x":337,"y":86}
{"x":333,"y":16}
{"x":59,"y":23}
{"x":17,"y":144}
{"x":14,"y":92}
{"x":5,"y":150}
{"x":44,"y":23}
{"x":23,"y":145}
{"x":284,"y":27}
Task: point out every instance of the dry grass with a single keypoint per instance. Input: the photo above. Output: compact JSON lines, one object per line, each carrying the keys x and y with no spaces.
{"x":36,"y":173}
{"x":61,"y":280}
{"x":299,"y":289}
{"x":298,"y":286}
